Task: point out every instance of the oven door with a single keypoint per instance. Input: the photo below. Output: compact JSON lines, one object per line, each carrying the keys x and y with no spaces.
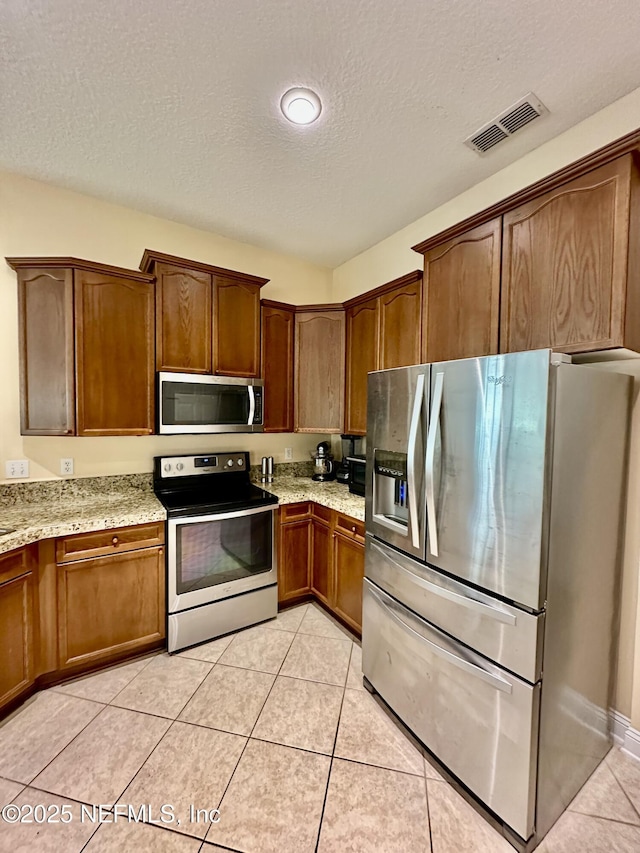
{"x":215,"y":556}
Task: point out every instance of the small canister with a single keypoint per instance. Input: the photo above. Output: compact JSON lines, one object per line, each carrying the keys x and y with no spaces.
{"x":269,"y":469}
{"x":265,"y":469}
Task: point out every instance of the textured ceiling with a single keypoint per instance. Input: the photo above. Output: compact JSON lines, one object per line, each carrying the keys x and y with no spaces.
{"x":171,"y":106}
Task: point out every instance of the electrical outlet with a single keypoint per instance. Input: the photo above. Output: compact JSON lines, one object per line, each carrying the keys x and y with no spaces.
{"x":288,"y":454}
{"x":17,"y":468}
{"x":66,"y":467}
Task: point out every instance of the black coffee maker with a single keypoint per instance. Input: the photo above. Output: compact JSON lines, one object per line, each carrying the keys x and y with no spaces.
{"x":348,"y":449}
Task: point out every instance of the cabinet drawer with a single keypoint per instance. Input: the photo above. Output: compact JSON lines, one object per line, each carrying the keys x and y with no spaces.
{"x":350,"y":526}
{"x":13,"y":564}
{"x":322,"y":512}
{"x":102,"y":542}
{"x":292,"y":512}
{"x":475,"y":717}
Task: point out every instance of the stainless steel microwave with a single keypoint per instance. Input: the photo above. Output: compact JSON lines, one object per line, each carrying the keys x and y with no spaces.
{"x":193,"y":403}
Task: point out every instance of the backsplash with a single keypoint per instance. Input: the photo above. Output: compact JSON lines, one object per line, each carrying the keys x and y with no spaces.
{"x":284,"y":469}
{"x":12,"y":494}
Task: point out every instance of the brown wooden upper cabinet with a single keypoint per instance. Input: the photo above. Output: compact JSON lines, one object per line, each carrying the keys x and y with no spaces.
{"x":207,"y":318}
{"x":86,"y":348}
{"x":319,"y":368}
{"x":278,"y":323}
{"x":383,"y":331}
{"x":462,"y":294}
{"x":571,"y":264}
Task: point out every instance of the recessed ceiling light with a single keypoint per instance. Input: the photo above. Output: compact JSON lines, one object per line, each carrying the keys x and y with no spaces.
{"x":301,"y":106}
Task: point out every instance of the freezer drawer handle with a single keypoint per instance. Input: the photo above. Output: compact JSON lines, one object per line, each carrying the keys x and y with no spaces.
{"x":432,"y":521}
{"x":477,"y":671}
{"x":411,"y":461}
{"x":484,"y":609}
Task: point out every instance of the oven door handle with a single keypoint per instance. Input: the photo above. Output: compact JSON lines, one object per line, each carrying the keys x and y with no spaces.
{"x":252,"y":405}
{"x":219,"y":516}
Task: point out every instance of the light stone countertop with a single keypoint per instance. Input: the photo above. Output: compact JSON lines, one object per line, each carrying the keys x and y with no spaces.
{"x":37,"y":511}
{"x":332,"y":495}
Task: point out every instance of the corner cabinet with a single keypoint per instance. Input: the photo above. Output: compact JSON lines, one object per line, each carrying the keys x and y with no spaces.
{"x":278,"y":324}
{"x":571,"y":265}
{"x":207,"y":317}
{"x":86,"y":348}
{"x":383,"y":331}
{"x":319,"y":368}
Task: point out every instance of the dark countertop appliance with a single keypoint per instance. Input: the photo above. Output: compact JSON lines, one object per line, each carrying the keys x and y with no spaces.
{"x":357,"y":467}
{"x":348,"y":449}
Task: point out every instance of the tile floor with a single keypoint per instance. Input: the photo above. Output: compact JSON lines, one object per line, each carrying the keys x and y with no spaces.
{"x":272,"y":727}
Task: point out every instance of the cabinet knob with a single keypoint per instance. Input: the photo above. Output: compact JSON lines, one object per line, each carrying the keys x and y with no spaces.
{"x":353,"y":529}
{"x":114,"y":541}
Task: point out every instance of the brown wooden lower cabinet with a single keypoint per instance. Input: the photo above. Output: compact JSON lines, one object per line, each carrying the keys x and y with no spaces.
{"x":110,"y":605}
{"x":322,"y":557}
{"x":16,"y":624}
{"x":293,"y":551}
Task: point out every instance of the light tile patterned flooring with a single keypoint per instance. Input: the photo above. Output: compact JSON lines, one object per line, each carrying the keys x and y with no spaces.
{"x":273,"y":727}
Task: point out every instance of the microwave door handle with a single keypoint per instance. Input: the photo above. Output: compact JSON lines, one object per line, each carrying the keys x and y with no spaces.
{"x":434,"y":422}
{"x":411,"y":462}
{"x":252,"y":404}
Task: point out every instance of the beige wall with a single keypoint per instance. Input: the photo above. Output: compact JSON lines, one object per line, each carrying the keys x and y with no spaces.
{"x":39,"y":219}
{"x":393,"y":257}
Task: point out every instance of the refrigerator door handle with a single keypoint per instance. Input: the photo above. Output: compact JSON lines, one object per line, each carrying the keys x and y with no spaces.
{"x":434,"y":422}
{"x":484,"y":609}
{"x":470,"y":668}
{"x":411,"y":462}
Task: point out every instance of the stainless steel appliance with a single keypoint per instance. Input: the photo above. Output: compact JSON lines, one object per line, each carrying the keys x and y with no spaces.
{"x":325,"y":466}
{"x":221,"y":551}
{"x":493,"y":515}
{"x":196,"y":403}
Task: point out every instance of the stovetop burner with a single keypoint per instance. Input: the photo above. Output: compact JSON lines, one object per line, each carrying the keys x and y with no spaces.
{"x":206,"y":484}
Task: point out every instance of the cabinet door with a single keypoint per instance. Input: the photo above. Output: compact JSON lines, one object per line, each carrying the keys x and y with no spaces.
{"x":348,"y":563}
{"x":362,"y":357}
{"x":236,"y":328}
{"x":47,"y":380}
{"x":16,"y":627}
{"x":114,"y":354}
{"x":461,"y":295}
{"x":565,"y":265}
{"x":110,"y":605}
{"x":321,"y":573}
{"x":319,"y":371}
{"x":400,"y":326}
{"x":293,"y":559}
{"x":277,"y":367}
{"x":183,"y":319}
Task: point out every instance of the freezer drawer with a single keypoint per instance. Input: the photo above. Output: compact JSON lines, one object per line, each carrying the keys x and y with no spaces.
{"x":507,"y":635}
{"x":481,"y":722}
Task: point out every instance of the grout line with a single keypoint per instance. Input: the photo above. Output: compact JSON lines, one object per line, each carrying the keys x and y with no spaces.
{"x":620,"y":785}
{"x":426,"y":792}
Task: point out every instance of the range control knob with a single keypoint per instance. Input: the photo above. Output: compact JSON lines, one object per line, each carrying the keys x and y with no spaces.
{"x":230,"y":463}
{"x":167,"y":466}
{"x":240,"y":461}
{"x":179,"y":466}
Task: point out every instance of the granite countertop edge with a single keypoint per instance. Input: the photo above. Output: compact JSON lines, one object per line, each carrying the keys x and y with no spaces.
{"x":36,"y":521}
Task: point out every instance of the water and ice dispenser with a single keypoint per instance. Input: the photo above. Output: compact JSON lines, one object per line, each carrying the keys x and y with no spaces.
{"x":390,"y":494}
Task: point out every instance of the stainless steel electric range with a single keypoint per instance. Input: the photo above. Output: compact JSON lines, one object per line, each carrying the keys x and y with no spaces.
{"x":221,"y":546}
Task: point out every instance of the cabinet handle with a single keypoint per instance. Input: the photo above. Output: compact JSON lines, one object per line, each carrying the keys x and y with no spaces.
{"x":114,"y":541}
{"x":353,"y":529}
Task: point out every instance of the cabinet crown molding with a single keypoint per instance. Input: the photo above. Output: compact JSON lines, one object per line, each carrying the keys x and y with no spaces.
{"x":617,"y":148}
{"x":150,"y":258}
{"x":402,"y":281}
{"x":78,"y":264}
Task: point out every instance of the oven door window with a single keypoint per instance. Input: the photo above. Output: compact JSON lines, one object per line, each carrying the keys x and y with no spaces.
{"x":194,"y":404}
{"x":213,"y":552}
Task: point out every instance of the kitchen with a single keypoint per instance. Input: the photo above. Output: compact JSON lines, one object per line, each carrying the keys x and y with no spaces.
{"x":42,"y":220}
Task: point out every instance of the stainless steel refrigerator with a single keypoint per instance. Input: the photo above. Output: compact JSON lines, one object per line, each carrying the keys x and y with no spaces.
{"x":494,"y":505}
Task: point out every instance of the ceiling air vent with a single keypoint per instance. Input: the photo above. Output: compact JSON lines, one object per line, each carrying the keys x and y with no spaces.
{"x":505,"y":125}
